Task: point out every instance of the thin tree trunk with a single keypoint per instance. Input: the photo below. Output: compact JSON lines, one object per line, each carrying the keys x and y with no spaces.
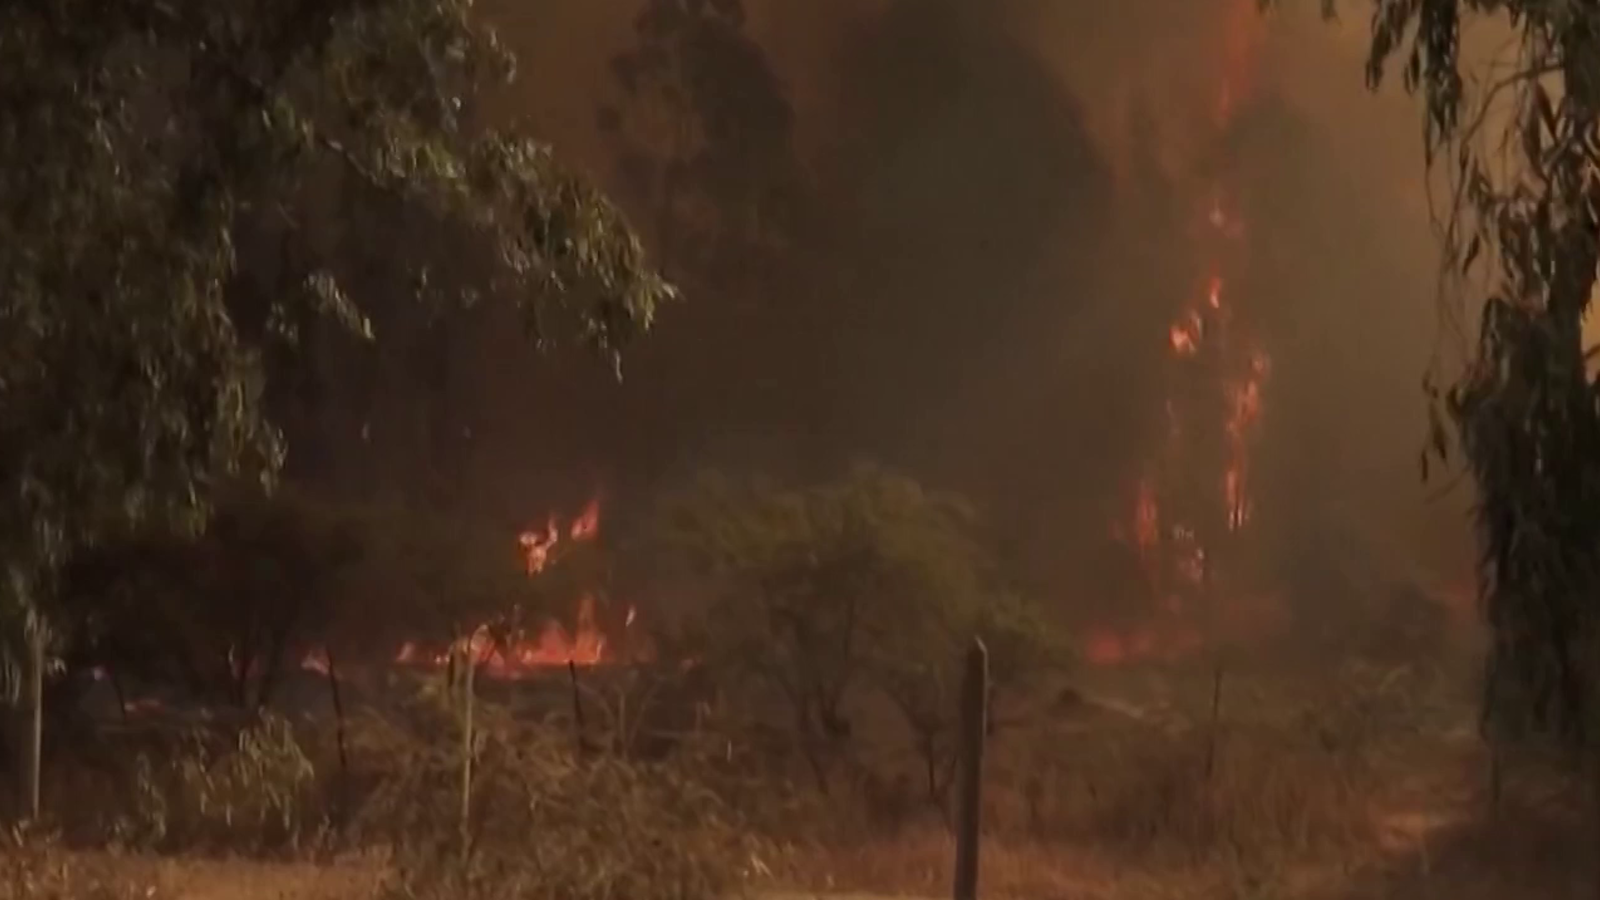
{"x":1594,"y":796}
{"x":338,"y":715}
{"x":1497,"y":776}
{"x":622,"y":744}
{"x":33,"y":740}
{"x":1214,"y":729}
{"x":577,"y":706}
{"x":116,"y":688}
{"x":468,"y":669}
{"x":969,"y":786}
{"x":270,"y":666}
{"x":809,"y":745}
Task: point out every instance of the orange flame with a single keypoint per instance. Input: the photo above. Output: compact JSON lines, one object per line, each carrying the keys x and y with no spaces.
{"x":316,"y":661}
{"x":1185,"y":334}
{"x":587,"y":525}
{"x":1147,"y":518}
{"x":521,"y":654}
{"x":1174,"y":552}
{"x":1114,"y":648}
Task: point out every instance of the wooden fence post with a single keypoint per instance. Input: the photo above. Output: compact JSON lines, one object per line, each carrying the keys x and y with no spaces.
{"x":974,"y":723}
{"x":466,"y":672}
{"x":33,"y":672}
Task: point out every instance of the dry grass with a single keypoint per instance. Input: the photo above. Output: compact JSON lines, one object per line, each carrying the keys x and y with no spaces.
{"x":36,"y":869}
{"x":546,"y":820}
{"x":1354,"y":790}
{"x":259,"y":813}
{"x":1358,"y":790}
{"x":1429,"y":840}
{"x":45,"y":871}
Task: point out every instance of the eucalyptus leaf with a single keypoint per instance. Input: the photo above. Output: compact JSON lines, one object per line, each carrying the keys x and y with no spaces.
{"x":1522,"y":411}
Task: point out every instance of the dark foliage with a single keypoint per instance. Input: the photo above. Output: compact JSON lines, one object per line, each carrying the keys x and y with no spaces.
{"x":1524,"y":211}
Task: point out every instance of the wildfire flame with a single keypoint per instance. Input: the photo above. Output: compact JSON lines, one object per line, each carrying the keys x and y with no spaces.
{"x":521,"y":654}
{"x":553,"y":645}
{"x":1175,"y":553}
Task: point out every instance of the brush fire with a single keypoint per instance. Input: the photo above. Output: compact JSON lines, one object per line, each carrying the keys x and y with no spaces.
{"x":1193,"y":500}
{"x":522,"y":653}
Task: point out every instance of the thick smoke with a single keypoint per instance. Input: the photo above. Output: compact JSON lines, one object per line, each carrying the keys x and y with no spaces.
{"x":1012,"y":184}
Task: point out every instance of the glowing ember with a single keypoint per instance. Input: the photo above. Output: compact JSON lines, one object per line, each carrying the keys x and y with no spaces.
{"x":587,"y":525}
{"x":1147,"y":519}
{"x":1185,"y":335}
{"x":1105,"y":649}
{"x":316,"y":661}
{"x":1111,"y":648}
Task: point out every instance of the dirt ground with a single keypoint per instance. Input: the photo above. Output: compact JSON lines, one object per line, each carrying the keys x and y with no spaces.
{"x":1436,"y":837}
{"x":171,"y":879}
{"x":1433,"y":856}
{"x":1436,"y":841}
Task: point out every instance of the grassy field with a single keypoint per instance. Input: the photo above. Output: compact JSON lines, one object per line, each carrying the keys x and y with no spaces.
{"x":1366,"y":785}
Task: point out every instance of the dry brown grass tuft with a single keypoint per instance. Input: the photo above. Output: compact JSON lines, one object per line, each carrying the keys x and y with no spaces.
{"x":250,"y":788}
{"x":1285,"y":794}
{"x":1245,"y":791}
{"x":40,"y":869}
{"x":1140,"y":823}
{"x":37,"y":868}
{"x":546,"y":819}
{"x":1347,"y":789}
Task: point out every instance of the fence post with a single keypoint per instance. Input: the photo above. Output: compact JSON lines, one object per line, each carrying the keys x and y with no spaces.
{"x":33,"y":718}
{"x":467,"y":669}
{"x":974,"y":723}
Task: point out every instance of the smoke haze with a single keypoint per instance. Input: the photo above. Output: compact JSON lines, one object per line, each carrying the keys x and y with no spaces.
{"x":1014,"y":183}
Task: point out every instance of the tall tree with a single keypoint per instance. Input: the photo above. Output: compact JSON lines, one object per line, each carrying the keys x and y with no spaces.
{"x":144,"y":143}
{"x":705,"y":136}
{"x":705,"y":140}
{"x":1524,"y":217}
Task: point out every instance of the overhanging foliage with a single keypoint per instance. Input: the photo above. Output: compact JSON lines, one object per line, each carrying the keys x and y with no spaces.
{"x":141,"y":137}
{"x":1524,"y":213}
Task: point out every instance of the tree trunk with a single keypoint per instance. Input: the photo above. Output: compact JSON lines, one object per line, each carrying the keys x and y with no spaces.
{"x":270,"y":665}
{"x":974,"y":716}
{"x":467,"y":671}
{"x":579,"y":730}
{"x":810,"y":746}
{"x":1594,"y":798}
{"x":116,"y":688}
{"x":338,"y":716}
{"x":1213,"y":732}
{"x":33,"y":731}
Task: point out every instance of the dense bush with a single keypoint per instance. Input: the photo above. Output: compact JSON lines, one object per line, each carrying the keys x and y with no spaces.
{"x":257,"y":793}
{"x":545,"y":818}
